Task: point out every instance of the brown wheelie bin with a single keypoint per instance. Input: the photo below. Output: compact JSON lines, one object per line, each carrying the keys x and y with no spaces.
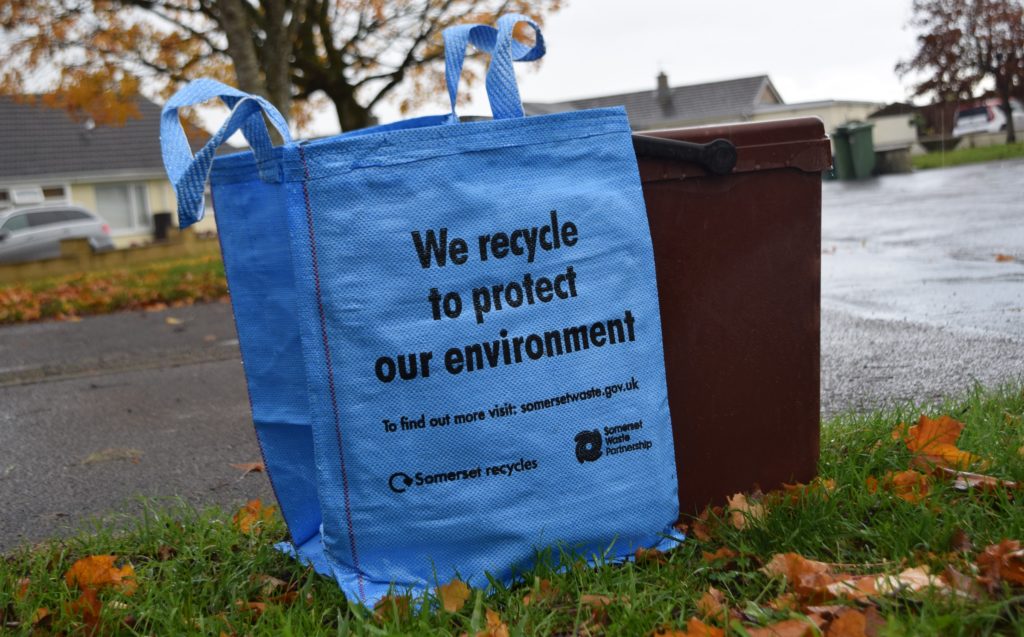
{"x":738,"y":260}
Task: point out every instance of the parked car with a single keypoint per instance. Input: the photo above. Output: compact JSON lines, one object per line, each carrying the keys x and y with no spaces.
{"x":30,"y":234}
{"x":987,"y":117}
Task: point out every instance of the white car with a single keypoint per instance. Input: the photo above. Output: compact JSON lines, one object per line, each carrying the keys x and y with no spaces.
{"x":29,"y":234}
{"x":987,"y":117}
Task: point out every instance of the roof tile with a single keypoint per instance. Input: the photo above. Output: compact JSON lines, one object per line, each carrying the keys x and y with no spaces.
{"x":712,"y":100}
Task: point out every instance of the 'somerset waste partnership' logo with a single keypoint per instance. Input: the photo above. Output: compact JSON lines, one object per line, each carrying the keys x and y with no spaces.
{"x":588,"y":445}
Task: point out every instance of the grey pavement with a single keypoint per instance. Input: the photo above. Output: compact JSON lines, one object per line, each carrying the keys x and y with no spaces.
{"x":80,"y":401}
{"x":915,"y":307}
{"x":915,"y":304}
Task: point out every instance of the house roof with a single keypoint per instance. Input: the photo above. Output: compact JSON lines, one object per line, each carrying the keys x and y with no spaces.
{"x":817,"y":104}
{"x":40,"y":141}
{"x":724,"y":99}
{"x":896,"y":108}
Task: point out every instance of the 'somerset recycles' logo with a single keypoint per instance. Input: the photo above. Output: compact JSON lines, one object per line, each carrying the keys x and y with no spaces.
{"x":399,"y":482}
{"x":588,"y":445}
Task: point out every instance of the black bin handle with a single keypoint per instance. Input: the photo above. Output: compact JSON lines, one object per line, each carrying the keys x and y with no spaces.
{"x":718,"y":156}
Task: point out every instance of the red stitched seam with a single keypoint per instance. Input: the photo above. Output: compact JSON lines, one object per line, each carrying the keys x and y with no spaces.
{"x":330,"y":373}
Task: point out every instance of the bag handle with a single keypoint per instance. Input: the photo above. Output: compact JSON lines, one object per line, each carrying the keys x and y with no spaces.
{"x":502,"y":89}
{"x":502,"y":92}
{"x":188,"y":173}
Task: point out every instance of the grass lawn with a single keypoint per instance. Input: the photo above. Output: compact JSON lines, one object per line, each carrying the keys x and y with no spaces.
{"x":969,"y":156}
{"x":180,"y":282}
{"x":198,"y":573}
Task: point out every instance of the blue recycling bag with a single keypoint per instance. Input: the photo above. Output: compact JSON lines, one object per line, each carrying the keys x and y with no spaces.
{"x":451,"y":329}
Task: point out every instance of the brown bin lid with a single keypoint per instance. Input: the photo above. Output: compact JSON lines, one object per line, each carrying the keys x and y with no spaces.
{"x":798,"y":143}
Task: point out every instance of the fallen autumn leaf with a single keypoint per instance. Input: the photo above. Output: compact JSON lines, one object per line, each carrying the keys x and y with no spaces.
{"x":453,"y":595}
{"x":249,"y":467}
{"x":98,"y":571}
{"x":742,"y":511}
{"x":1001,"y":562}
{"x":249,"y":517}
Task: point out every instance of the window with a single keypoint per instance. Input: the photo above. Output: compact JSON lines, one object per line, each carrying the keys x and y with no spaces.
{"x":124,"y":206}
{"x":54,"y":193}
{"x":45,"y":218}
{"x":15,"y":223}
{"x":973,"y":112}
{"x":75,"y":215}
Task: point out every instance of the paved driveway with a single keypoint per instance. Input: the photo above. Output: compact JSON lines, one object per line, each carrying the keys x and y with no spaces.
{"x":915,"y":307}
{"x":916,"y":303}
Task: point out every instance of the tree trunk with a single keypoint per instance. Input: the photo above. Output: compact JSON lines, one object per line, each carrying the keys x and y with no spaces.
{"x":1004,"y":95}
{"x":276,"y":53}
{"x":351,"y":114}
{"x":241,"y":47}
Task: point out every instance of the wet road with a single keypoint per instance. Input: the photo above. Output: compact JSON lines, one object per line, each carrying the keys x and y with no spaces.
{"x":915,"y":306}
{"x":916,"y":303}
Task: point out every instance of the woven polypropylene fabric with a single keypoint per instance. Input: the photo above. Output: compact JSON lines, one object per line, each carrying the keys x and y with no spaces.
{"x":410,"y":471}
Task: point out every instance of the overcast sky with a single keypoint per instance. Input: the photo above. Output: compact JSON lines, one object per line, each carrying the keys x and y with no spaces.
{"x":811,"y":49}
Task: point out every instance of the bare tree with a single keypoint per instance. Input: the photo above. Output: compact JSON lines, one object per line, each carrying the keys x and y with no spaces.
{"x":94,"y":56}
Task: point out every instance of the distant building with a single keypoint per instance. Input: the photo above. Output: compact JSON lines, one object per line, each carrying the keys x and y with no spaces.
{"x":674,"y":107}
{"x":117,"y":172}
{"x":832,"y":113}
{"x":744,"y":100}
{"x":896,"y":128}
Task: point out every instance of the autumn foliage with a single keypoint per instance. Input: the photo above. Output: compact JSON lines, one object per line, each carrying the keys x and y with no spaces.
{"x":152,"y":288}
{"x":94,"y":57}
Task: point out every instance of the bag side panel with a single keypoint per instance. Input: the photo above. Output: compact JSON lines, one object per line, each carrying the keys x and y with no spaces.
{"x":252,"y":226}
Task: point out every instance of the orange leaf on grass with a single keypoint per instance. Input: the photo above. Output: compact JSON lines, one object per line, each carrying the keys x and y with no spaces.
{"x":22,"y":589}
{"x":724,"y":553}
{"x":712,"y":604}
{"x":595,"y":600}
{"x":789,"y":628}
{"x":256,"y":607}
{"x":935,"y":440}
{"x":694,"y":628}
{"x":285,"y":599}
{"x":928,"y":432}
{"x":98,"y":571}
{"x":815,"y":582}
{"x":453,"y":595}
{"x":543,"y":593}
{"x":269,"y":584}
{"x":909,"y":485}
{"x":392,"y":608}
{"x":742,"y":511}
{"x":1001,"y":562}
{"x":852,"y":623}
{"x":785,"y":602}
{"x":249,"y":517}
{"x":41,"y":614}
{"x":87,"y":607}
{"x":795,"y":493}
{"x":964,"y":585}
{"x":701,"y":530}
{"x":802,"y":574}
{"x":852,"y":587}
{"x":495,"y":627}
{"x":650,"y":556}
